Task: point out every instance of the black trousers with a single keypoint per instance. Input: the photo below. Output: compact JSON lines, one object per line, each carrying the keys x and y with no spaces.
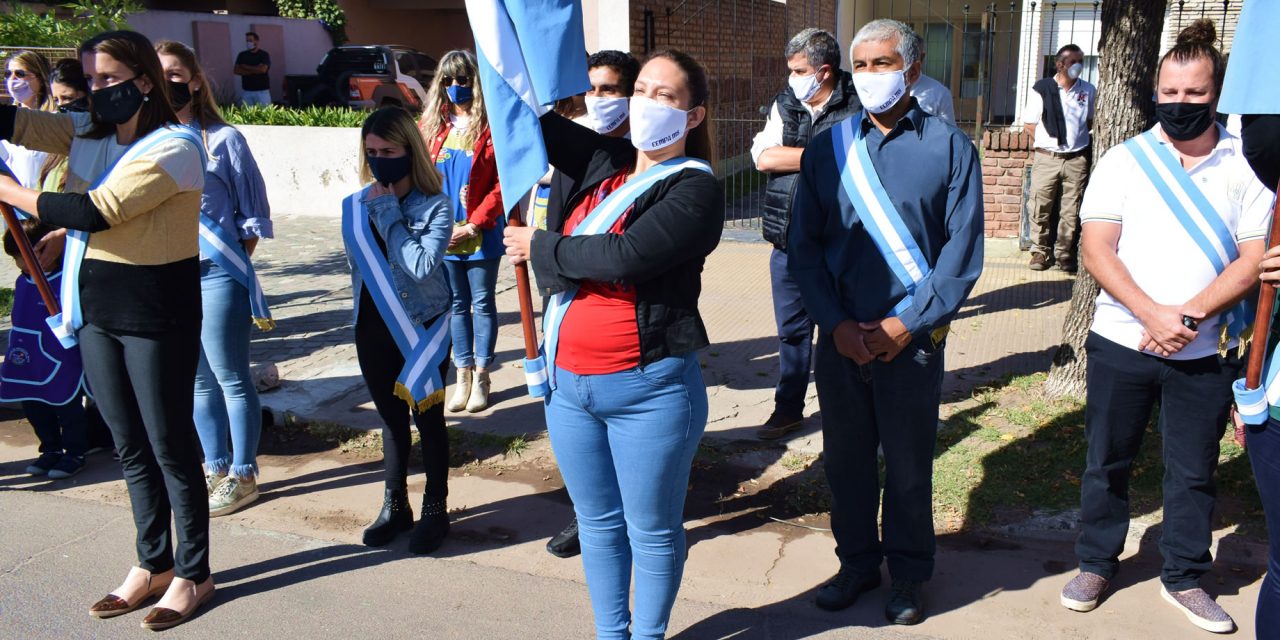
{"x":795,"y":338}
{"x":894,"y":406}
{"x":380,"y":364}
{"x":145,"y":387}
{"x":1195,"y":397}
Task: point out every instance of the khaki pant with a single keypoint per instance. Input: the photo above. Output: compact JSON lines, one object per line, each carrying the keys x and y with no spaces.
{"x":1052,"y":177}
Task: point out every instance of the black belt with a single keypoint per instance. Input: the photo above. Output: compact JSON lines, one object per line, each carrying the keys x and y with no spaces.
{"x":1063,"y":156}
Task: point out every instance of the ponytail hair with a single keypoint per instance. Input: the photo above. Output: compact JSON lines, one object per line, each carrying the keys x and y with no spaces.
{"x":1197,"y":42}
{"x":700,"y":141}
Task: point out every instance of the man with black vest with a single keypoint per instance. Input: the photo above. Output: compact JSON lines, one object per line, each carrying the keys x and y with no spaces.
{"x":820,"y":95}
{"x":1058,"y":116}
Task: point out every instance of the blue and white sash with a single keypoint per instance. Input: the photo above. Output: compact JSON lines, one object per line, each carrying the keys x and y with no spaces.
{"x":540,"y":375}
{"x":65,"y":324}
{"x":1197,"y":217}
{"x":879,"y":216}
{"x":423,"y":348}
{"x":222,"y":247}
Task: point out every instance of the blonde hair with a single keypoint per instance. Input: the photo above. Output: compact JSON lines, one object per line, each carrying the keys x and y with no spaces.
{"x":38,"y":66}
{"x":204,"y":108}
{"x":435,"y":117}
{"x":396,"y":126}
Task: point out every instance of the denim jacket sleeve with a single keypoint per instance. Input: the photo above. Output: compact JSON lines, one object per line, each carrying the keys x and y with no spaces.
{"x":417,"y":232}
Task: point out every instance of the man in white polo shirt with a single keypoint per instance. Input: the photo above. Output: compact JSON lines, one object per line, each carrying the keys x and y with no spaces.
{"x":1174,"y":228}
{"x":1059,"y":114}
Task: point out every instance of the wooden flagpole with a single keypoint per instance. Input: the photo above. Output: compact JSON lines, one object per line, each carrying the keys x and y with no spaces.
{"x":1266,"y":304}
{"x":34,"y":271}
{"x":525,"y":294}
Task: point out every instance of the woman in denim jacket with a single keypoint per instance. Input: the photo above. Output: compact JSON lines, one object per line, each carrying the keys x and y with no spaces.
{"x":411,"y":223}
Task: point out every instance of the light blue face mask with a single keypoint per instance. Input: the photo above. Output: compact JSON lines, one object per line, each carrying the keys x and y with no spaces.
{"x":459,"y":95}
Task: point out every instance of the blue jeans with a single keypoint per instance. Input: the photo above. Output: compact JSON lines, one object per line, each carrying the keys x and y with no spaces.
{"x":1264,"y":455}
{"x":625,"y":442}
{"x":474,"y":283}
{"x":226,"y":400}
{"x":795,"y":339}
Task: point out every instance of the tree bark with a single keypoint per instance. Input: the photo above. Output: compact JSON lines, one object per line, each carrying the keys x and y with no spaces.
{"x":1129,"y":49}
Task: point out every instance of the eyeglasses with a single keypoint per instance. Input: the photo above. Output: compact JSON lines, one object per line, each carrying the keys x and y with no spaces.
{"x":461,"y":80}
{"x":15,"y":73}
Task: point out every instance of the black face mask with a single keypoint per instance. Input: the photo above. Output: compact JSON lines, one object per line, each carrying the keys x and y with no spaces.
{"x":1261,"y":136}
{"x":117,"y":103}
{"x":79,"y":105}
{"x":1184,"y":120}
{"x":179,"y":94}
{"x":389,"y":170}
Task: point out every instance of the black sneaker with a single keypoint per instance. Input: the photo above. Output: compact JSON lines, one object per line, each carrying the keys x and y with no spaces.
{"x":843,"y":590}
{"x":68,"y":466}
{"x":906,"y":604}
{"x":565,"y":544}
{"x":779,"y":425}
{"x":44,"y":463}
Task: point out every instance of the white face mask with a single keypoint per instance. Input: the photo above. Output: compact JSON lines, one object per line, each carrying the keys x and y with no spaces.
{"x":19,"y":89}
{"x":607,"y":114}
{"x":880,"y":91}
{"x":654,"y":125}
{"x":804,"y":87}
{"x":249,"y":46}
{"x":1075,"y":70}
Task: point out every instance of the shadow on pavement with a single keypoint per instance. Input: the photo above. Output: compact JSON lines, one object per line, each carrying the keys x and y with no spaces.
{"x":1025,"y":295}
{"x":295,"y":568}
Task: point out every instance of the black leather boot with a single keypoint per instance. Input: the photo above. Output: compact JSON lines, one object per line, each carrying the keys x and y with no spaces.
{"x":565,"y":544}
{"x":432,"y":528}
{"x":396,"y":516}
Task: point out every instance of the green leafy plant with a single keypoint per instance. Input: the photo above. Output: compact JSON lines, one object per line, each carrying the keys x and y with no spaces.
{"x":326,"y":11}
{"x":66,"y":26}
{"x":284,"y":117}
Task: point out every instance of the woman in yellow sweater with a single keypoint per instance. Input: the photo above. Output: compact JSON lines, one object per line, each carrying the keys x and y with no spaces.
{"x":131,"y":297}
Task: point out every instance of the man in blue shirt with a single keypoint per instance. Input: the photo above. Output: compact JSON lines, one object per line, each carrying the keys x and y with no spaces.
{"x":883,"y":278}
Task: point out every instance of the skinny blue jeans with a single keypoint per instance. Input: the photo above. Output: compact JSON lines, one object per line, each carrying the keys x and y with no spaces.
{"x":1264,"y":455}
{"x":226,"y":401}
{"x":625,"y":443}
{"x":475,"y":334}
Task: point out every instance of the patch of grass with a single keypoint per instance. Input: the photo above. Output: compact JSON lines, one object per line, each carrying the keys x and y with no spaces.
{"x":466,"y":447}
{"x":6,"y":301}
{"x":796,"y":462}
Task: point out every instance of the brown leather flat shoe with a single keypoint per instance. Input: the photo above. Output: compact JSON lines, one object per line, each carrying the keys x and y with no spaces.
{"x":112,"y":605}
{"x":160,"y":618}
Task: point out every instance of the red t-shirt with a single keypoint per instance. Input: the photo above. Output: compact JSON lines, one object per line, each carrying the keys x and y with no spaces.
{"x":599,"y":334}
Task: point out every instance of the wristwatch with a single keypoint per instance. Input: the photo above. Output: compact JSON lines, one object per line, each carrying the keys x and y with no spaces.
{"x":1190,"y":323}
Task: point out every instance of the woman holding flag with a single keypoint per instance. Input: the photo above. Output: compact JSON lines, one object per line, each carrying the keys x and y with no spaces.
{"x":396,"y":231}
{"x":628,"y":404}
{"x":234,"y":215}
{"x":456,"y":128}
{"x":131,"y":297}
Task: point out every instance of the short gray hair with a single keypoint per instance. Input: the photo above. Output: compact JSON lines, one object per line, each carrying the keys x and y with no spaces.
{"x":910,"y":45}
{"x":820,"y":47}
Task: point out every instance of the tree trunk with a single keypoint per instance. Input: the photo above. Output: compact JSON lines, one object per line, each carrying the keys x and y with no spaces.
{"x":1129,"y":49}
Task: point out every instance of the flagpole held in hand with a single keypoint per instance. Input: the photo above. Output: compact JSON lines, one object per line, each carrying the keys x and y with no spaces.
{"x":535,"y":366}
{"x":34,"y":270}
{"x":1251,"y":392}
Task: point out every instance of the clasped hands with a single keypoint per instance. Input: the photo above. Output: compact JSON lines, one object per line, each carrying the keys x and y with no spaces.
{"x":863,"y":342}
{"x":1163,"y":332}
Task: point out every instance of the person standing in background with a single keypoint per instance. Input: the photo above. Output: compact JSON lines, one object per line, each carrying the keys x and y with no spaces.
{"x":934,"y":97}
{"x":27,"y":80}
{"x":252,"y":66}
{"x":1059,"y":115}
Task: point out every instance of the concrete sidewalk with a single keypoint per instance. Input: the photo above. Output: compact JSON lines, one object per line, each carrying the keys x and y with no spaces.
{"x":1010,"y":325}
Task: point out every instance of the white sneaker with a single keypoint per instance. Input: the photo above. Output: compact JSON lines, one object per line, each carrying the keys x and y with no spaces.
{"x":461,"y":391}
{"x":479,"y":392}
{"x":231,"y":495}
{"x":211,"y":481}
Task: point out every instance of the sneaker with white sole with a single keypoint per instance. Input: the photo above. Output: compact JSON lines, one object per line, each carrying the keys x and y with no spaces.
{"x":232,"y":494}
{"x":1201,"y":609}
{"x":212,"y":480}
{"x":68,"y":466}
{"x":1084,"y":591}
{"x":44,"y":463}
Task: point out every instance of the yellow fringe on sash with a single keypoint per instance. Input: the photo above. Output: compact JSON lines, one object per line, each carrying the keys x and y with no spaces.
{"x":1246,"y":337}
{"x":432,"y":400}
{"x":266,"y":324}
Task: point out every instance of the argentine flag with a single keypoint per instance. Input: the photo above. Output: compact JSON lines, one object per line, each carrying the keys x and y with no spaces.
{"x":531,"y":54}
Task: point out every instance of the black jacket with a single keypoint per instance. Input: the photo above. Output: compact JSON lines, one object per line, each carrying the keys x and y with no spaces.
{"x":1051,"y":117}
{"x":798,"y":127}
{"x":665,"y":241}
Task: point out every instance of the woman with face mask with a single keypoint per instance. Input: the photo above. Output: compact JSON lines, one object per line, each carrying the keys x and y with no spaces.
{"x":234,"y":214}
{"x":70,"y":91}
{"x":396,"y":231}
{"x":27,"y":80}
{"x":456,"y":129}
{"x":131,"y":298}
{"x":627,"y":404}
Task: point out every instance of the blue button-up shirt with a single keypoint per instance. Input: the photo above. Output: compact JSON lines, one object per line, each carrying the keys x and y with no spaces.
{"x":235,"y":195}
{"x":932,"y":174}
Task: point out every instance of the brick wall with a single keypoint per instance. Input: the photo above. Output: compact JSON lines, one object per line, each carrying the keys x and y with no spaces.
{"x":1006,"y":157}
